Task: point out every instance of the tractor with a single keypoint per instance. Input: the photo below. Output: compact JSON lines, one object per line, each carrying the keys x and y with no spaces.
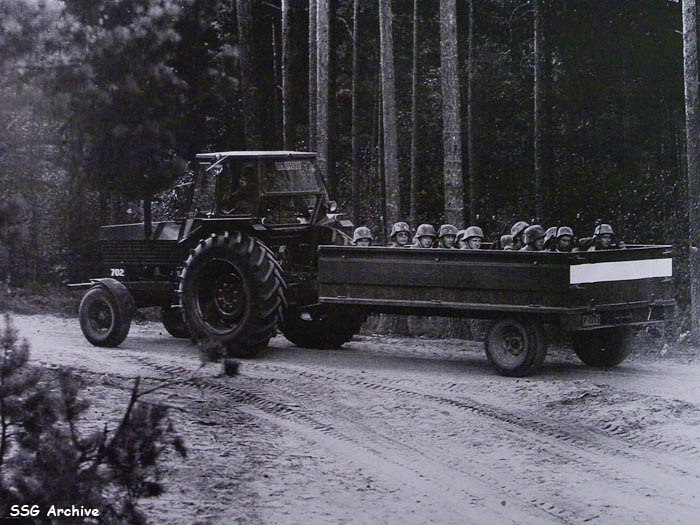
{"x":238,"y":262}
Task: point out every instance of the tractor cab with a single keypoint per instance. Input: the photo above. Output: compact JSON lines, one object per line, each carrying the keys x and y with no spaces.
{"x":277,"y":187}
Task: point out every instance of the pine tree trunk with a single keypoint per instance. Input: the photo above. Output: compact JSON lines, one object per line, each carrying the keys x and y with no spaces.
{"x":391,"y":163}
{"x":354,"y":132}
{"x":471,"y":160}
{"x":380,"y":163}
{"x":451,"y":119}
{"x":322,"y":82}
{"x":276,"y":85}
{"x":287,"y":138}
{"x":313,"y":55}
{"x":249,"y":87}
{"x":332,"y":175}
{"x":414,"y":119}
{"x":692,"y":131}
{"x":541,"y":90}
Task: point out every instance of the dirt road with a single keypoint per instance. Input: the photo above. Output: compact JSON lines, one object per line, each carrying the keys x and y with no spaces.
{"x":405,"y":431}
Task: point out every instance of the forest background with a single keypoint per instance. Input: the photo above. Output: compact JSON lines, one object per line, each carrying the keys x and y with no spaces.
{"x":556,"y":111}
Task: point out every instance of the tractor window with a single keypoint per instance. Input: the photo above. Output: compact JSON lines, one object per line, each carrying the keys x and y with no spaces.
{"x":204,"y":191}
{"x":237,"y":189}
{"x":287,"y":176}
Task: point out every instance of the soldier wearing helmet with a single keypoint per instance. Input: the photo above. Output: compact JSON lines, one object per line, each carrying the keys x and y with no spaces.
{"x":604,"y":238}
{"x":473,"y":236}
{"x":425,"y":236}
{"x":518,"y":231}
{"x":534,"y":238}
{"x":447,"y":236}
{"x":362,"y":236}
{"x":506,"y":242}
{"x":550,"y":239}
{"x":461,"y":240}
{"x":564,"y":239}
{"x":400,"y":235}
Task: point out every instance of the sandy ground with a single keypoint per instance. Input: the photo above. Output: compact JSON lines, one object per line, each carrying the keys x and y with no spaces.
{"x":394,"y":430}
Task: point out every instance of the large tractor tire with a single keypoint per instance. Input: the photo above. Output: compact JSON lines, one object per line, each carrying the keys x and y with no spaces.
{"x":516,"y":347}
{"x":232,"y":292}
{"x":602,"y":347}
{"x":105,"y":314}
{"x":321,"y":327}
{"x":173,"y":322}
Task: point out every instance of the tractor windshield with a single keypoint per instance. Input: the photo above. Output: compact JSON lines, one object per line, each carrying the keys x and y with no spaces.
{"x":290,"y":176}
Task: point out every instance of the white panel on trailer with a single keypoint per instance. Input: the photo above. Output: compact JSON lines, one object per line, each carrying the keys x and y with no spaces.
{"x":620,"y":271}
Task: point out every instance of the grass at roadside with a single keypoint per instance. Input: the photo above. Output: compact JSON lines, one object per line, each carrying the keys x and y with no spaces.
{"x":40,"y":299}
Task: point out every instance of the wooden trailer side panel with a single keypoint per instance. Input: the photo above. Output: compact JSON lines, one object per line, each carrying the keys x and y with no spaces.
{"x":487,"y":280}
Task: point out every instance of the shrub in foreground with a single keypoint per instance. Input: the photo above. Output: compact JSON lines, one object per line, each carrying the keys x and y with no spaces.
{"x":47,"y":457}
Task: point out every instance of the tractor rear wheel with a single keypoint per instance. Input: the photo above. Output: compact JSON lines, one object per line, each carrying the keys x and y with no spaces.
{"x":321,"y":327}
{"x":105,"y":318}
{"x":516,"y":347}
{"x":602,"y":347}
{"x":232,"y":293}
{"x":173,"y":322}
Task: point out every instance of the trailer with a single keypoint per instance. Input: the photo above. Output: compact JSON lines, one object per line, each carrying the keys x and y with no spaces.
{"x":595,"y":298}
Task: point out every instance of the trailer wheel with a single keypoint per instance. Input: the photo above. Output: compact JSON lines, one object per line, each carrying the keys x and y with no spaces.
{"x":603,"y":347}
{"x":320,"y":327}
{"x":105,"y":318}
{"x":231,"y":292}
{"x":515,"y":347}
{"x":173,"y":322}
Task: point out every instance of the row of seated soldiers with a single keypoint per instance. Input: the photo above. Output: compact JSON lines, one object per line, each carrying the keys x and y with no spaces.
{"x":523,"y":237}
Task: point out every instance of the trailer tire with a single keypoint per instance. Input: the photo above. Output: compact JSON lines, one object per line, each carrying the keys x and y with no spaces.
{"x":232,"y":293}
{"x":515,"y":347}
{"x":602,"y":347}
{"x":173,"y":322}
{"x":320,"y":327}
{"x":105,"y":317}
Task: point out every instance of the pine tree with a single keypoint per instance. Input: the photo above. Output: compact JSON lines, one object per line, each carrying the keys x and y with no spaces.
{"x":45,"y":457}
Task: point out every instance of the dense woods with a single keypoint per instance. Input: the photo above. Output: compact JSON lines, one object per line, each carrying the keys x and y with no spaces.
{"x":433,"y":110}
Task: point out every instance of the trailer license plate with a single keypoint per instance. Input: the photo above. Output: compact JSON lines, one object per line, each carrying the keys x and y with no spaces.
{"x":590,"y":320}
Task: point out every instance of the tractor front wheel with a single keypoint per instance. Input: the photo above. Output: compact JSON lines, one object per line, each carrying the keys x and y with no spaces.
{"x":105,"y":319}
{"x":173,"y":322}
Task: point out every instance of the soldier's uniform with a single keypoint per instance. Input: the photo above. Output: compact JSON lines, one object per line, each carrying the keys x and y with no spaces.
{"x":400,"y":235}
{"x":362,"y":236}
{"x":534,"y":238}
{"x":425,"y":236}
{"x":447,"y":236}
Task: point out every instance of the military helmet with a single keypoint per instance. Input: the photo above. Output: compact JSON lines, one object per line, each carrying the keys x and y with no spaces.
{"x":473,"y":231}
{"x":461,"y":235}
{"x":506,"y":240}
{"x":447,"y":229}
{"x":363,"y":232}
{"x":564,"y":230}
{"x":550,"y":234}
{"x":425,"y":230}
{"x":399,"y":227}
{"x":518,"y":228}
{"x":603,"y":229}
{"x":534,"y":232}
